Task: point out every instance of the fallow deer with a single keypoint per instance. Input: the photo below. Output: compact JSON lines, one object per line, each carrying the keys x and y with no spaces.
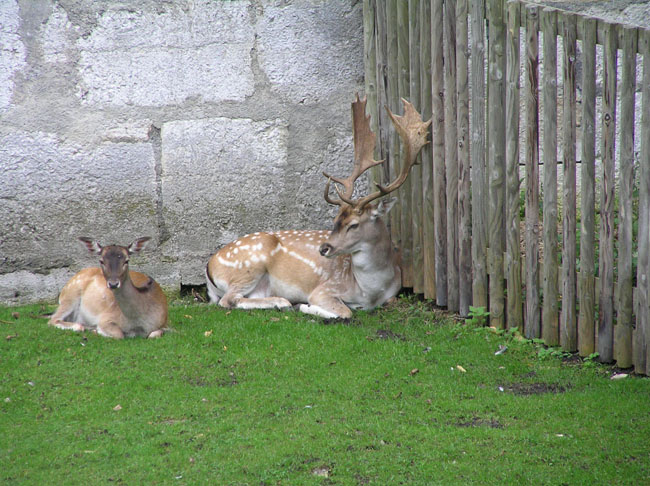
{"x":112,"y":300}
{"x":328,"y":273}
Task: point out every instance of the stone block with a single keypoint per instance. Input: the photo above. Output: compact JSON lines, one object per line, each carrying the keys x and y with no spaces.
{"x":52,"y":192}
{"x":25,"y":287}
{"x":221,"y":178}
{"x":310,"y":50}
{"x":167,"y":54}
{"x":12,"y":49}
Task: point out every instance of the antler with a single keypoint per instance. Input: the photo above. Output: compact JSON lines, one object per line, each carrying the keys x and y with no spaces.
{"x":413,"y":132}
{"x":364,"y":147}
{"x":411,"y":129}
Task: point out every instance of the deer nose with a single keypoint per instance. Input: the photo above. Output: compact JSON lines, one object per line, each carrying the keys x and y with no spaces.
{"x":113,"y":284}
{"x":325,"y":249}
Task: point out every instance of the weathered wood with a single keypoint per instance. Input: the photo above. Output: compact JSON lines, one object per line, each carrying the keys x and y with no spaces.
{"x":403,"y":79}
{"x":606,"y":262}
{"x":513,"y":251}
{"x":550,"y":330}
{"x":394,"y":105}
{"x":477,"y":153}
{"x":533,"y":311}
{"x":428,"y":228}
{"x":642,"y":331}
{"x":568,"y":322}
{"x":370,"y":66}
{"x":587,"y":279}
{"x":625,"y":311}
{"x":496,"y":159}
{"x":464,"y":211}
{"x":381,"y":173}
{"x":438,"y":148}
{"x":415,"y":176}
{"x":451,"y":156}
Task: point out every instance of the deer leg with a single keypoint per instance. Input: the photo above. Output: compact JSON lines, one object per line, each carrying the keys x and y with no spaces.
{"x":325,"y":305}
{"x":156,"y":334}
{"x":64,"y":311}
{"x":110,"y":329}
{"x":237,"y":295}
{"x":237,"y":301}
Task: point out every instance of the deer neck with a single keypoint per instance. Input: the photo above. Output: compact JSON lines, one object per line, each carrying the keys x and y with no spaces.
{"x":131,"y":299}
{"x":370,"y":268}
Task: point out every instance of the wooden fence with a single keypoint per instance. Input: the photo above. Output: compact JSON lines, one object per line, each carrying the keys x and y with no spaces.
{"x":493,"y":219}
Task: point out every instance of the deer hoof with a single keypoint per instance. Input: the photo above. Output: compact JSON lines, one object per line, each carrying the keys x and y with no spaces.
{"x":156,"y":334}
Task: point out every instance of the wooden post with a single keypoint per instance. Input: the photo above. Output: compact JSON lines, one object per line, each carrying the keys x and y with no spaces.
{"x":428,"y":229}
{"x":394,"y":104}
{"x":513,"y":251}
{"x":568,"y":323}
{"x":370,"y":66}
{"x":533,"y":313}
{"x":464,"y":212}
{"x":405,"y":189}
{"x":624,"y":318}
{"x":415,"y":176}
{"x":642,"y":332}
{"x":451,"y":156}
{"x":381,"y":173}
{"x":550,"y":332}
{"x":438,"y":148}
{"x":479,"y":191}
{"x":371,"y":77}
{"x":587,"y":279}
{"x":496,"y":160}
{"x":606,"y":262}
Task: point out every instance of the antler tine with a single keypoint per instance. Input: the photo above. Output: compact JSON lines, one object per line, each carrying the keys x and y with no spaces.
{"x":413,"y":132}
{"x":336,"y":202}
{"x":364,"y":147}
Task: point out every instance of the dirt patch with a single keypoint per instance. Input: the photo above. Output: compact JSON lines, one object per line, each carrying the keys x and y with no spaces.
{"x":388,"y":334}
{"x":526,"y":389}
{"x":479,"y":422}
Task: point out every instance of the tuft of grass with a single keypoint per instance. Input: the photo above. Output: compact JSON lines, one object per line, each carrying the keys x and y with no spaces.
{"x":400,"y":395}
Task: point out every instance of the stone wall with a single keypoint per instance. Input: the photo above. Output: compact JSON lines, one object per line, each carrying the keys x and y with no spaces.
{"x":190,"y":121}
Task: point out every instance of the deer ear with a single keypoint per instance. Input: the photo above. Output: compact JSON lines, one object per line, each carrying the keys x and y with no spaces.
{"x":138,"y":244}
{"x":92,"y":245}
{"x":383,"y":208}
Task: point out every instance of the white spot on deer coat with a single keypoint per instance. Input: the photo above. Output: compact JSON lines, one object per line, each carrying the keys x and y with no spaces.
{"x":276,"y":249}
{"x":227,"y":263}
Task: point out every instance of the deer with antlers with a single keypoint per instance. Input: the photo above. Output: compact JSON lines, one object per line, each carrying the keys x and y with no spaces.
{"x":112,"y":300}
{"x":328,"y":273}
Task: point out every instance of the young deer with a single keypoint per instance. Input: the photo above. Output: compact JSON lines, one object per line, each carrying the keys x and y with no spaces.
{"x":112,"y":300}
{"x":328,"y":273}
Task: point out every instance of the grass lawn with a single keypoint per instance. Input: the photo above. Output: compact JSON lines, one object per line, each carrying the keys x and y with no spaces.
{"x":401,"y":395}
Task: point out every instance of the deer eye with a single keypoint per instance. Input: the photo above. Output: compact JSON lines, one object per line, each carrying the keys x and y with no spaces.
{"x":353,"y":226}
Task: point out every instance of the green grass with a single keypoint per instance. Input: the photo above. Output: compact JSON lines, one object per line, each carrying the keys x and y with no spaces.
{"x":273,"y":398}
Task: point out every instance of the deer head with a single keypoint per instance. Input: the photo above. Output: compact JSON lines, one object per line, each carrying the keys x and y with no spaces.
{"x":114,"y":259}
{"x":359,"y":222}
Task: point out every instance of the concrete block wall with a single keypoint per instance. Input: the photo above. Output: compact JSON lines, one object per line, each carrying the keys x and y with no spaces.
{"x":190,"y":121}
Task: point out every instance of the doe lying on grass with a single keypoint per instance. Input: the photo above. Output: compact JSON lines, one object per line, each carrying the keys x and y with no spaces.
{"x":112,"y":300}
{"x":327,"y":273}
